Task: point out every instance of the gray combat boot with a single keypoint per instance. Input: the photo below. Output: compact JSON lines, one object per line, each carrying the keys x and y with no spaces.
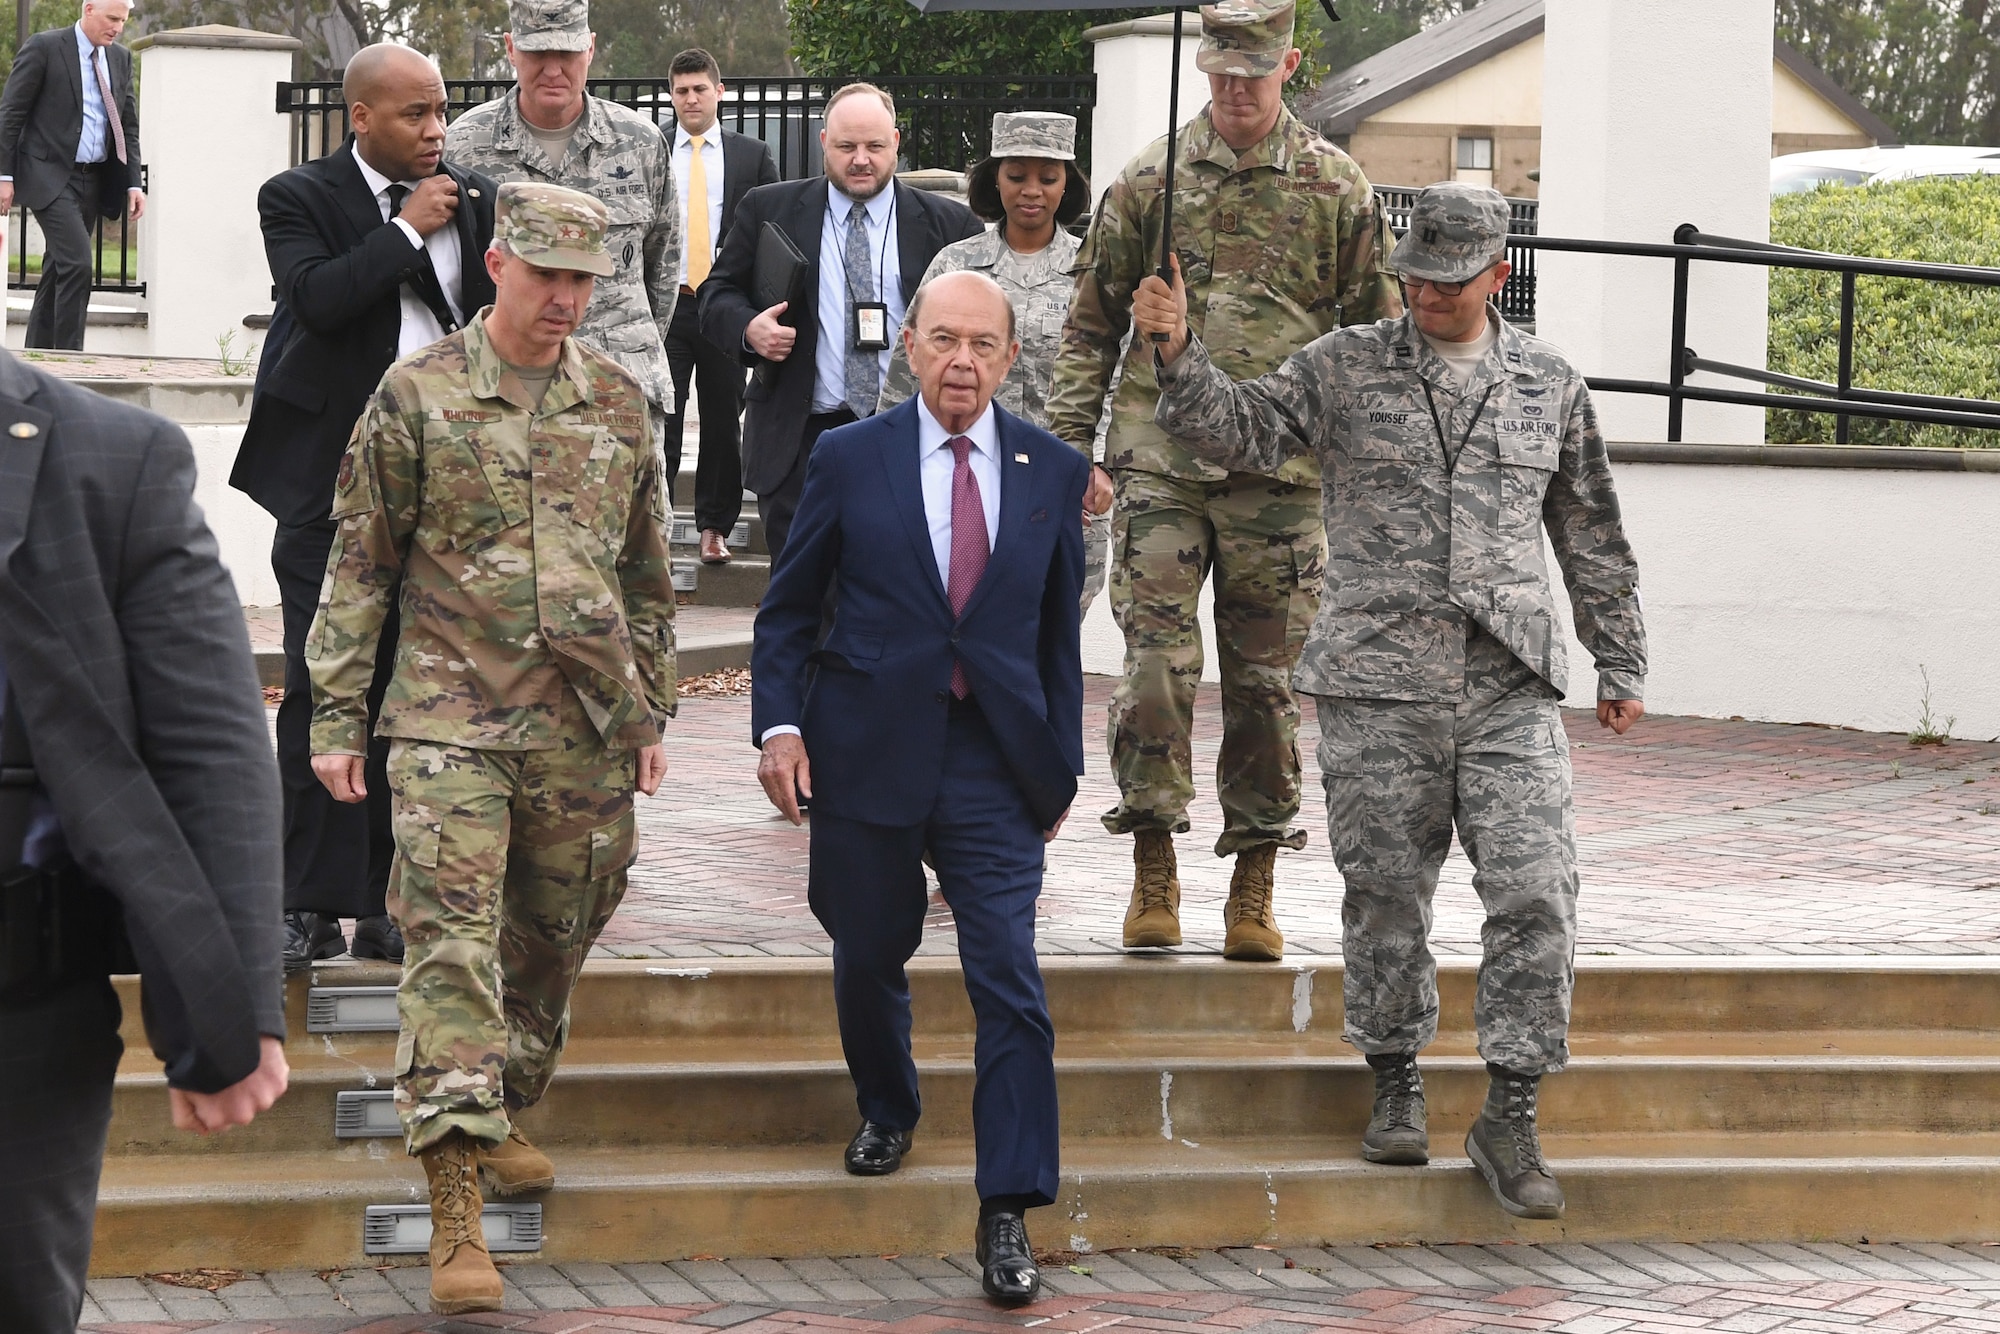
{"x":1504,"y":1147}
{"x":1396,"y":1130}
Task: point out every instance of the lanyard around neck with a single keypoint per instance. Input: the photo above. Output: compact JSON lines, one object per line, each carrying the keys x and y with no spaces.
{"x":1437,"y":424}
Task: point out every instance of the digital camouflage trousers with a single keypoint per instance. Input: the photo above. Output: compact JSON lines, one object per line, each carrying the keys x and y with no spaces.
{"x":1399,"y":776}
{"x":508,"y":866}
{"x":1264,"y":542}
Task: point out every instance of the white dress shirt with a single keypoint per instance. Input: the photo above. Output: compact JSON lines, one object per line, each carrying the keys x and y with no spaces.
{"x":711,"y":163}
{"x":830,"y":357}
{"x":935,"y":466}
{"x":420,"y":328}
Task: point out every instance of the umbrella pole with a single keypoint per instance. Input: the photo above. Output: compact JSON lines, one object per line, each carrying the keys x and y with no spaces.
{"x":1173,"y":151}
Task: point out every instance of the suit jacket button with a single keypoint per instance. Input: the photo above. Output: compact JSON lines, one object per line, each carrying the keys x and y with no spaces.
{"x":940,"y":696}
{"x":954,"y":636}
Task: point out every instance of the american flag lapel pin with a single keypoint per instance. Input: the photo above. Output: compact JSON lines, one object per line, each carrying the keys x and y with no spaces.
{"x":1020,"y":458}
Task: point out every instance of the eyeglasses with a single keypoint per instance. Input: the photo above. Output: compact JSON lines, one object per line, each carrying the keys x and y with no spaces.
{"x":944,"y":344}
{"x":1444,"y":289}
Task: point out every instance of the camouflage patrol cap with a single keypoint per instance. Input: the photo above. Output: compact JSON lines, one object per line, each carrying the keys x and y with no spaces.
{"x":553,"y":227}
{"x":1456,"y":231}
{"x":1038,"y":134}
{"x":1247,"y":38}
{"x":549,"y":25}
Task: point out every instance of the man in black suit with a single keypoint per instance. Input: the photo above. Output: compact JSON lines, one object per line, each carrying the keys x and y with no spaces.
{"x":377,"y":250}
{"x":721,"y":166}
{"x":138,"y":785}
{"x":868,"y":239}
{"x":69,"y":150}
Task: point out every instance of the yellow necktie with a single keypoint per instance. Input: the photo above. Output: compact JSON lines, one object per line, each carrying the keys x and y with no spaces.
{"x":700,"y":250}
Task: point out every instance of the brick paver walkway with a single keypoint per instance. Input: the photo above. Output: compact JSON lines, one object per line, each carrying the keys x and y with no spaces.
{"x":1696,"y":836}
{"x":1659,"y":1288}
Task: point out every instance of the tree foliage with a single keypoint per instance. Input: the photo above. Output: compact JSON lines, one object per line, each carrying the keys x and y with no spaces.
{"x":867,"y":38}
{"x":1369,"y":26}
{"x":462,"y":35}
{"x":1910,"y":336}
{"x":637,"y":38}
{"x":1931,"y":68}
{"x":839,"y":38}
{"x":45,"y":15}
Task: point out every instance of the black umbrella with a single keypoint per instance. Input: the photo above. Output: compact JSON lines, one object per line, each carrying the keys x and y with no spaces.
{"x":1173,"y":84}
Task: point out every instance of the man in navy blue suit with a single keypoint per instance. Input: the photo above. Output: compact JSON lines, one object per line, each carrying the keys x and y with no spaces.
{"x":945,"y":713}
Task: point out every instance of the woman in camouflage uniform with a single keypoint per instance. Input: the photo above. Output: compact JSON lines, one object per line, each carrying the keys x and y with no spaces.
{"x":1030,"y":188}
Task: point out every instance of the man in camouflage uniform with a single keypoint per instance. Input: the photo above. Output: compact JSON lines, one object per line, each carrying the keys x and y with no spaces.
{"x":546,"y":128}
{"x":1450,"y":441}
{"x":1281,"y":240}
{"x":504,"y":488}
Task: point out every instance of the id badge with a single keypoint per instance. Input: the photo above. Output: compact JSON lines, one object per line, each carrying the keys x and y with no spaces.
{"x":870,"y":329}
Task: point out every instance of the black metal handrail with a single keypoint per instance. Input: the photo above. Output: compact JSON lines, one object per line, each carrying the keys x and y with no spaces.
{"x":119,"y":274}
{"x":1841,"y":400}
{"x":946,"y":122}
{"x":1517,"y":298}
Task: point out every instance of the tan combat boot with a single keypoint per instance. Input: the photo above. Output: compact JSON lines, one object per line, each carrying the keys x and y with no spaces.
{"x":1251,"y":926}
{"x":462,"y":1274}
{"x":516,"y":1167}
{"x":1153,"y":919}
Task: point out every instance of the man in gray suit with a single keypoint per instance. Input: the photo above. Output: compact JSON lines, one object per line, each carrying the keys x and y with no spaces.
{"x":69,"y":150}
{"x":138,"y":817}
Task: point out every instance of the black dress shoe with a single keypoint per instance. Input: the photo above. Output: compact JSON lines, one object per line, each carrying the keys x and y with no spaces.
{"x":376,"y":938}
{"x":310,"y":936}
{"x":1010,"y":1276}
{"x":876,"y":1150}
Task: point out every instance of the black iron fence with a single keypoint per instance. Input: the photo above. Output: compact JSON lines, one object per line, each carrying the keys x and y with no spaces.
{"x":1843,"y":399}
{"x":114,"y":255}
{"x":1517,"y":298}
{"x":946,"y":122}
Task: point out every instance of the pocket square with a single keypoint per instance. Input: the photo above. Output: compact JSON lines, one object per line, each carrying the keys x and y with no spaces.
{"x":1038,"y":516}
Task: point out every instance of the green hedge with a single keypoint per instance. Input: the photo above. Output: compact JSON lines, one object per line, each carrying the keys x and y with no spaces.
{"x":1916,"y":337}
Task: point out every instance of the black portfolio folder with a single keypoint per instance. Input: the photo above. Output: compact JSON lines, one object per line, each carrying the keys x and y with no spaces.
{"x":779,"y":274}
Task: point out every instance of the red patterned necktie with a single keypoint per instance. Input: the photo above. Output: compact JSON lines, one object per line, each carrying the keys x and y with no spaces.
{"x":117,"y":126}
{"x":968,"y":544}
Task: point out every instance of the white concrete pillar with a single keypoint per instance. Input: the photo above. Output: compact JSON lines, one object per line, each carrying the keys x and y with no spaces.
{"x":212,"y":134}
{"x":1134,"y":64}
{"x":1655,"y":113}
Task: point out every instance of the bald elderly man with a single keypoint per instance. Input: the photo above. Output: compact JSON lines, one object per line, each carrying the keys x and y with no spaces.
{"x":376,"y":251}
{"x":946,"y":714}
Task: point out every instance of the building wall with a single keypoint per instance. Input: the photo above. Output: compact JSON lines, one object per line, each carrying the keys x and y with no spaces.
{"x":1405,"y":154}
{"x":1791,"y":595}
{"x":1413,"y":142}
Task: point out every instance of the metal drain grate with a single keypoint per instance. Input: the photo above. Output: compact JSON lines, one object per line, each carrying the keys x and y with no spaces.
{"x":365,"y":1114}
{"x":351,"y":1010}
{"x":405,"y":1229}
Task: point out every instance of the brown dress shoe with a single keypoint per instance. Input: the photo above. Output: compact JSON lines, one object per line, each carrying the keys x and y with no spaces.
{"x":714,"y":549}
{"x":517,"y":1167}
{"x":1250,"y":923}
{"x":462,"y":1274}
{"x":1153,"y":918}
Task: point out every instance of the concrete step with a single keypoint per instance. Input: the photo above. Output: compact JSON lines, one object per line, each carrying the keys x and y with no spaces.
{"x":740,"y":583}
{"x":701,"y":1108}
{"x":658,"y":1094}
{"x":1882,"y":1006}
{"x":616,"y":1206}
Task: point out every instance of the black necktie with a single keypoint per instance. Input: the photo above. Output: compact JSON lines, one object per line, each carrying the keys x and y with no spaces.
{"x":426,"y":285}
